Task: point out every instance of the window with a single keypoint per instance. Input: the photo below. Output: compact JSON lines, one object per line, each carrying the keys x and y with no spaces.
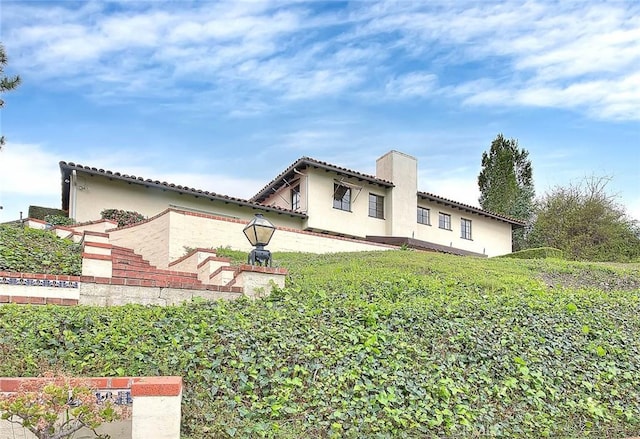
{"x":465,"y":228}
{"x":376,"y":206}
{"x":341,"y":197}
{"x":295,"y":198}
{"x":444,"y":221}
{"x":424,"y":216}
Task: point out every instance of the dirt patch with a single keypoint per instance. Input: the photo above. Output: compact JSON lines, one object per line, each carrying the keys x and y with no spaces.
{"x":601,"y":280}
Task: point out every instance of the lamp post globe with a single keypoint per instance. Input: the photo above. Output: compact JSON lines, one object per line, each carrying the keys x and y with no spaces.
{"x":259,"y":232}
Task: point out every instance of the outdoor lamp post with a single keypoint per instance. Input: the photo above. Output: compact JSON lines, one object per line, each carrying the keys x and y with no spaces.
{"x":259,"y":232}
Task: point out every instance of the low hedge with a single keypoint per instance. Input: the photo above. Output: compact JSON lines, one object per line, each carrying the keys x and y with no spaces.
{"x":39,"y":212}
{"x":122,"y":217}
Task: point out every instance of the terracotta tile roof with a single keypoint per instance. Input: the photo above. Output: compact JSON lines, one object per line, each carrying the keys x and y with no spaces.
{"x":272,"y":186}
{"x":305,"y":162}
{"x":470,"y":209}
{"x":67,"y":167}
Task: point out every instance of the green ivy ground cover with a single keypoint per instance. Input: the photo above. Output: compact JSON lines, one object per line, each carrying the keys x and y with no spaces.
{"x":393,"y":344}
{"x":23,"y":249}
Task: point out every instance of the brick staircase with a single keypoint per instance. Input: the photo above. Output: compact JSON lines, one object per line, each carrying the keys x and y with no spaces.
{"x":201,"y":269}
{"x":136,"y":271}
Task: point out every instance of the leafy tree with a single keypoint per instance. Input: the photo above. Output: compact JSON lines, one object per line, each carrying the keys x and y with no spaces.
{"x":506,"y":182}
{"x":6,"y":83}
{"x":586,"y":223}
{"x":56,"y":408}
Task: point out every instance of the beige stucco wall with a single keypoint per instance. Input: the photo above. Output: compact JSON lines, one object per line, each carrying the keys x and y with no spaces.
{"x":257,"y":285}
{"x":157,"y":417}
{"x":192,"y":231}
{"x":96,"y":193}
{"x":323,"y":216}
{"x":97,"y":226}
{"x":488,"y":236}
{"x":149,"y":239}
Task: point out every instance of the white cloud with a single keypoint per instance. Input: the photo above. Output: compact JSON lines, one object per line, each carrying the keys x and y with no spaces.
{"x":632,"y":207}
{"x":611,"y":99}
{"x":28,"y":170}
{"x":583,"y":56}
{"x":576,"y":55}
{"x":462,"y":190}
{"x":412,"y":85}
{"x":29,"y":175}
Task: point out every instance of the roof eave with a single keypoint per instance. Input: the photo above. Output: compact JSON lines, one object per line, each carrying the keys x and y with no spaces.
{"x":304,"y":162}
{"x":471,"y":209}
{"x":67,"y":168}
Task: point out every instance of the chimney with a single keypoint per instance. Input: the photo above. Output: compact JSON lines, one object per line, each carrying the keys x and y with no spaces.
{"x":401,"y":204}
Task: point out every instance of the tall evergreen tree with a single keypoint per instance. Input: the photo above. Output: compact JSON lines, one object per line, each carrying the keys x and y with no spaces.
{"x":506,"y":179}
{"x":506,"y":183}
{"x":6,"y":83}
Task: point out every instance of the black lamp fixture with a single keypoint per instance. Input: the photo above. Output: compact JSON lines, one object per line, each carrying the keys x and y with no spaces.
{"x":259,"y":232}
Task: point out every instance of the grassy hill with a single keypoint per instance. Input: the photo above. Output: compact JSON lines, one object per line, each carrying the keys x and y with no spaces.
{"x":393,"y":344}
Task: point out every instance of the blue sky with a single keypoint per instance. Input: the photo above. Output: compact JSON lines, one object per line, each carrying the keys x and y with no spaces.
{"x":223,"y":96}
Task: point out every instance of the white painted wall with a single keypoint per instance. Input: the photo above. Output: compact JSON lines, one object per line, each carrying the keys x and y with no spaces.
{"x":96,"y":193}
{"x":157,"y":417}
{"x":323,"y":216}
{"x":488,"y":236}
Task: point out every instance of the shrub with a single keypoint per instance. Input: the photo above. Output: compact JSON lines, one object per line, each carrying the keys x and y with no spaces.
{"x":59,"y":220}
{"x":586,"y":223}
{"x":122,"y":217}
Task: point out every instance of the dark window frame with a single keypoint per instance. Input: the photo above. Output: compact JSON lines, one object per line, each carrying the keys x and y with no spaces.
{"x":444,"y":221}
{"x":421,"y":216}
{"x":376,"y":206}
{"x":465,"y":229}
{"x":341,"y":197}
{"x":295,"y":197}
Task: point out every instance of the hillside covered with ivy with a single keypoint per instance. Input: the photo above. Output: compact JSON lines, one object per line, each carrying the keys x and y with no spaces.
{"x":383,"y":345}
{"x":23,"y":249}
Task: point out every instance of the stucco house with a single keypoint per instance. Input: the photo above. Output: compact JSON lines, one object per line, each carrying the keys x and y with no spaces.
{"x":309,"y":199}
